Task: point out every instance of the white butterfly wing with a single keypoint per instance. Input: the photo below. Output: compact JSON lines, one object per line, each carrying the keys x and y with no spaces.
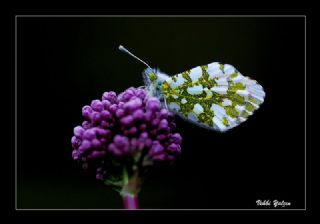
{"x":214,"y":96}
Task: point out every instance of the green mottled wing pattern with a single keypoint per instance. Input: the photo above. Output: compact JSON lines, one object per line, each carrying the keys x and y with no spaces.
{"x":215,"y":96}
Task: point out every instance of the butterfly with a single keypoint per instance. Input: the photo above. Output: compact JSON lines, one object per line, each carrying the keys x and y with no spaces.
{"x":215,"y":96}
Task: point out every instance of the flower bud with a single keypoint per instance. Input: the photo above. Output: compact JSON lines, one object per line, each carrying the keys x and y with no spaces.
{"x":86,"y":112}
{"x":119,"y":113}
{"x":160,"y":157}
{"x":76,"y":142}
{"x":153,"y":104}
{"x":133,"y":105}
{"x":174,"y":148}
{"x":176,"y":138}
{"x":86,"y":125}
{"x":163,"y":124}
{"x":89,"y":134}
{"x":97,"y":105}
{"x":163,"y":114}
{"x":106,"y":104}
{"x":156,"y":148}
{"x":138,"y":114}
{"x":113,"y":108}
{"x":96,"y":117}
{"x":78,"y":131}
{"x":127,"y":121}
{"x":105,"y":115}
{"x":75,"y":154}
{"x":141,"y":93}
{"x":110,"y":96}
{"x":85,"y":145}
{"x":95,"y":143}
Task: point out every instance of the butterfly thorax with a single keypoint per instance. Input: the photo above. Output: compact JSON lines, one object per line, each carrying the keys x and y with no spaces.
{"x":153,"y":80}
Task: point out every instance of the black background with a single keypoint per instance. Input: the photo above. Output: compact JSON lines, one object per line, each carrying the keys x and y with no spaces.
{"x":64,"y":63}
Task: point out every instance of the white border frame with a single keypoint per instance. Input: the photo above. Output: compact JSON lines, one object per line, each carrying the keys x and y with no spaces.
{"x":163,"y":16}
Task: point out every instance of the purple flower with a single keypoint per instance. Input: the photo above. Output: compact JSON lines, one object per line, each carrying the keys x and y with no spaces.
{"x":129,"y":127}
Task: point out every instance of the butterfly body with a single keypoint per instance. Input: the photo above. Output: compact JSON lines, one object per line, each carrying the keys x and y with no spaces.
{"x":214,"y":96}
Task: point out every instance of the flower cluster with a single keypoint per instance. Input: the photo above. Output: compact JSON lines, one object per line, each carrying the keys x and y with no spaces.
{"x":128,"y":125}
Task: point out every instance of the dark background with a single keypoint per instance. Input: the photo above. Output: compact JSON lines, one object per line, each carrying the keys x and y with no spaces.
{"x":64,"y":63}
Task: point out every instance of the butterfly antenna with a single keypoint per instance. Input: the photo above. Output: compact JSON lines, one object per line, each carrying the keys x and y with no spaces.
{"x":123,"y":49}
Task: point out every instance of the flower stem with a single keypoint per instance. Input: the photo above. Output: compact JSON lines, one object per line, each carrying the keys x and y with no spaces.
{"x":130,"y":189}
{"x":130,"y":201}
